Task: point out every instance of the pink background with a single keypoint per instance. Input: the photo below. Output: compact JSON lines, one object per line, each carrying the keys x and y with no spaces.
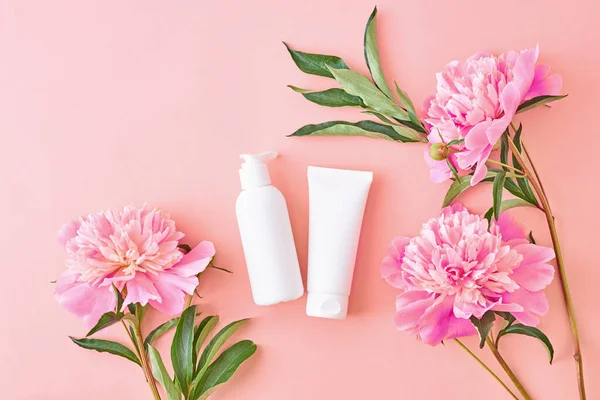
{"x":106,"y":103}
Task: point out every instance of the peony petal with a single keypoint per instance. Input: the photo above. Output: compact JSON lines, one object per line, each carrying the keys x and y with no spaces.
{"x":140,"y":289}
{"x":172,"y":289}
{"x":509,"y":228}
{"x":524,"y":70}
{"x":481,"y":169}
{"x":477,"y":137}
{"x":544,"y":85}
{"x":532,"y":303}
{"x":85,"y":301}
{"x":534,"y":276}
{"x":439,"y":170}
{"x":410,"y":307}
{"x":390,"y":266}
{"x":439,"y":323}
{"x":68,"y":232}
{"x":195,"y":261}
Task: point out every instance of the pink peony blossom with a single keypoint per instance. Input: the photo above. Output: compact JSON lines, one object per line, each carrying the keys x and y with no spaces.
{"x":136,"y":251}
{"x":475,"y":102}
{"x":460,"y":267}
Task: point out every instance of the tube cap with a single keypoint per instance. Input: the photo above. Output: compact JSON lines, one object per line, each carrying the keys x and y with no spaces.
{"x":326,"y":305}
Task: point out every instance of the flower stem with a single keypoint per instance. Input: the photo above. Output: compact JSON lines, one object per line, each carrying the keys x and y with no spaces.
{"x":507,"y":166}
{"x":461,"y":344}
{"x":507,"y":369}
{"x":138,"y":342}
{"x":541,"y":193}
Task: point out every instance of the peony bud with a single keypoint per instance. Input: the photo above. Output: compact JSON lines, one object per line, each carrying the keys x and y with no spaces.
{"x":438,"y":151}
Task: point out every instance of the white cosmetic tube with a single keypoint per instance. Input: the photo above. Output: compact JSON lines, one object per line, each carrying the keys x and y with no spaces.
{"x":337,"y":199}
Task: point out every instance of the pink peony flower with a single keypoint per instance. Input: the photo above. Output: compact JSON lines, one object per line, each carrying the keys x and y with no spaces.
{"x":475,"y":102}
{"x":460,"y":267}
{"x":136,"y":251}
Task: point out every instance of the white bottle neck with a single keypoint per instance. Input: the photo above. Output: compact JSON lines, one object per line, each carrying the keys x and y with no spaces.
{"x":252,"y":176}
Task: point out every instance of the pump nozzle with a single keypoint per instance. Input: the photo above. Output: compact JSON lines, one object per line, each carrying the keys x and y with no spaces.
{"x":253,"y":159}
{"x":254,"y":172}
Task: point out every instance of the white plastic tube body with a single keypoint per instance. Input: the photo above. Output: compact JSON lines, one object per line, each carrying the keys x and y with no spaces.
{"x":337,"y":200}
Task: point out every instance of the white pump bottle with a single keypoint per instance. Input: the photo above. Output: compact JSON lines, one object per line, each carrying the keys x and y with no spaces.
{"x":266,"y":233}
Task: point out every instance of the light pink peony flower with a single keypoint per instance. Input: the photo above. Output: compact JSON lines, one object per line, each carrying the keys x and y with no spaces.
{"x":458,"y":268}
{"x":476,"y":101}
{"x":135,"y":250}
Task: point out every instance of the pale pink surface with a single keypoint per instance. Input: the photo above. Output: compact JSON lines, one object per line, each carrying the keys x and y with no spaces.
{"x":459,"y":267}
{"x":104,"y":104}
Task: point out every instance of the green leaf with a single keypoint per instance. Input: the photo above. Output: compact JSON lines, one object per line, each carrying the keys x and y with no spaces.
{"x":335,"y":97}
{"x":483,"y":326}
{"x":162,"y":376}
{"x":201,"y":332}
{"x":359,"y":85}
{"x":119,"y":297}
{"x":460,"y":185}
{"x":522,"y":182}
{"x":217,"y":342}
{"x":410,"y":108}
{"x":538,"y":101}
{"x":531,"y":239}
{"x":223,"y":368}
{"x":221,"y":269}
{"x":497,"y":190}
{"x":369,"y":129}
{"x":372,"y":56}
{"x":507,"y":205}
{"x":316,"y":64}
{"x":131,"y":308}
{"x":521,"y":329}
{"x":183,"y":347}
{"x":107,"y":346}
{"x":185,"y":247}
{"x":508,"y":317}
{"x":106,"y":320}
{"x":160,"y":330}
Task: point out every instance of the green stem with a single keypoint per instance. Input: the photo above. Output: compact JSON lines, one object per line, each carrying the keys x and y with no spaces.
{"x":534,"y":178}
{"x":507,"y":369}
{"x":137,"y":332}
{"x":461,"y":344}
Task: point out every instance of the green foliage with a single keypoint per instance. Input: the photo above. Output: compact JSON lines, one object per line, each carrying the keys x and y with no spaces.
{"x":483,"y":326}
{"x":107,"y":346}
{"x":369,"y":129}
{"x":538,"y":101}
{"x":316,"y":64}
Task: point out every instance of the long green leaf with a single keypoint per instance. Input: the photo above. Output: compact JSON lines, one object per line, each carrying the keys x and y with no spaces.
{"x":224,"y":367}
{"x":483,"y":326}
{"x":538,"y":101}
{"x":106,"y":320}
{"x":368,"y":129}
{"x":405,"y":131}
{"x":160,"y":330}
{"x":335,"y":97}
{"x":107,"y":346}
{"x":359,"y":85}
{"x":202,"y":331}
{"x":316,"y":64}
{"x":372,"y":55}
{"x":162,"y":376}
{"x":183,"y":347}
{"x":462,"y":184}
{"x":507,"y":205}
{"x":521,"y":329}
{"x":522,"y":182}
{"x":497,"y":189}
{"x":218,"y":341}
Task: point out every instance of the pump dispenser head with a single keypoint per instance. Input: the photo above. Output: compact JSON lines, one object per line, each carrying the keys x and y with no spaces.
{"x":254,"y":173}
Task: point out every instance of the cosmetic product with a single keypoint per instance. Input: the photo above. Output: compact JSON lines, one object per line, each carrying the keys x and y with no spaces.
{"x":266,"y":233}
{"x":337,"y":200}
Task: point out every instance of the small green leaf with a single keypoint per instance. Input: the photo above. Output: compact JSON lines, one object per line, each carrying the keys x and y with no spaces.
{"x":316,"y":64}
{"x":217,"y":342}
{"x":538,"y":101}
{"x":131,"y":308}
{"x":531,"y":239}
{"x":368,"y":129}
{"x":483,"y":326}
{"x":521,"y":329}
{"x":160,"y":330}
{"x":497,"y":189}
{"x":372,"y":55}
{"x":335,"y":97}
{"x":522,"y":182}
{"x":460,"y":185}
{"x":183,"y":347}
{"x":410,"y":109}
{"x":222,"y":269}
{"x":106,"y":320}
{"x":162,"y":376}
{"x":508,"y":317}
{"x":507,"y":205}
{"x":359,"y":85}
{"x":107,"y":346}
{"x":186,"y":248}
{"x":223,"y":368}
{"x":201,"y":332}
{"x":455,"y":142}
{"x":119,"y":297}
